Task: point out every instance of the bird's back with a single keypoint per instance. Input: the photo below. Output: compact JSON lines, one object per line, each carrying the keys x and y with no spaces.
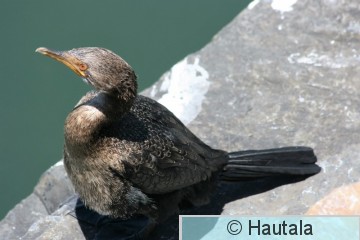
{"x":162,"y":154}
{"x":152,"y":149}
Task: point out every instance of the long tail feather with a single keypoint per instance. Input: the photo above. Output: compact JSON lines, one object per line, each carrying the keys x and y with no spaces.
{"x":270,"y":162}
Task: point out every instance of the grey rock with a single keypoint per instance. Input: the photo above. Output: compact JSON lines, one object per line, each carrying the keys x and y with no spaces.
{"x":278,"y":78}
{"x":40,"y":207}
{"x":57,"y":225}
{"x":275,"y":76}
{"x":20,"y":218}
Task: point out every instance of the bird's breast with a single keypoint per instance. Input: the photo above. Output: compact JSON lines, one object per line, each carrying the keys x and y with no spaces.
{"x":83,"y":124}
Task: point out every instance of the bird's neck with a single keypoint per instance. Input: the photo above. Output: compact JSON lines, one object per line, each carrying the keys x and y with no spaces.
{"x":113,"y":105}
{"x":94,"y":112}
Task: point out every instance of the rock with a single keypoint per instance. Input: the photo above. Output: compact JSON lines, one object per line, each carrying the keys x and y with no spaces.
{"x":54,"y":188}
{"x":341,"y":201}
{"x":57,"y":225}
{"x":281,"y":73}
{"x":19,"y":219}
{"x":277,"y":76}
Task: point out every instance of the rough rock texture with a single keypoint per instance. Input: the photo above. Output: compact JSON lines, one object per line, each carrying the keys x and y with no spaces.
{"x":277,"y":75}
{"x":281,"y":75}
{"x":41,"y":215}
{"x":344,"y":200}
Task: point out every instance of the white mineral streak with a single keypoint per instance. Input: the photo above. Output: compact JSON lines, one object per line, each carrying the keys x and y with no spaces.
{"x":283,"y":5}
{"x":185,"y":85}
{"x":253,"y":4}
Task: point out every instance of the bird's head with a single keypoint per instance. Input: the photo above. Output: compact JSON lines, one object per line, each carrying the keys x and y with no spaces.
{"x":99,"y":67}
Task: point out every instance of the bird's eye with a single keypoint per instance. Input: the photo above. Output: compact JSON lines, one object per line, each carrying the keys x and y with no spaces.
{"x":83,"y":66}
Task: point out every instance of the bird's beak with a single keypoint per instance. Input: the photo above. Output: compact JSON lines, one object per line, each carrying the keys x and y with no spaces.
{"x":64,"y":57}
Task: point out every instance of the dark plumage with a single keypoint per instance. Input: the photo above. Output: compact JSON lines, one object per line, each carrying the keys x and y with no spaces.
{"x":127,"y":154}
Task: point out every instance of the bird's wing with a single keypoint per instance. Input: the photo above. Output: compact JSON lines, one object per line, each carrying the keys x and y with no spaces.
{"x":171,"y":157}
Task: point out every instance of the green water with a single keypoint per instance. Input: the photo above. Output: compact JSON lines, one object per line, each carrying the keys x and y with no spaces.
{"x":37,"y":93}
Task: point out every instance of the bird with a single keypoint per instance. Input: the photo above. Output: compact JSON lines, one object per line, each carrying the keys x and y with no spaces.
{"x":128,"y":155}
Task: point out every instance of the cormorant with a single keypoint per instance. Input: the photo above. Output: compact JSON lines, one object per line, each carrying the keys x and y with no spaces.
{"x":127,"y":154}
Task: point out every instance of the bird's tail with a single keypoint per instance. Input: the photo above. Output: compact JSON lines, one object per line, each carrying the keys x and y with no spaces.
{"x":270,"y":162}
